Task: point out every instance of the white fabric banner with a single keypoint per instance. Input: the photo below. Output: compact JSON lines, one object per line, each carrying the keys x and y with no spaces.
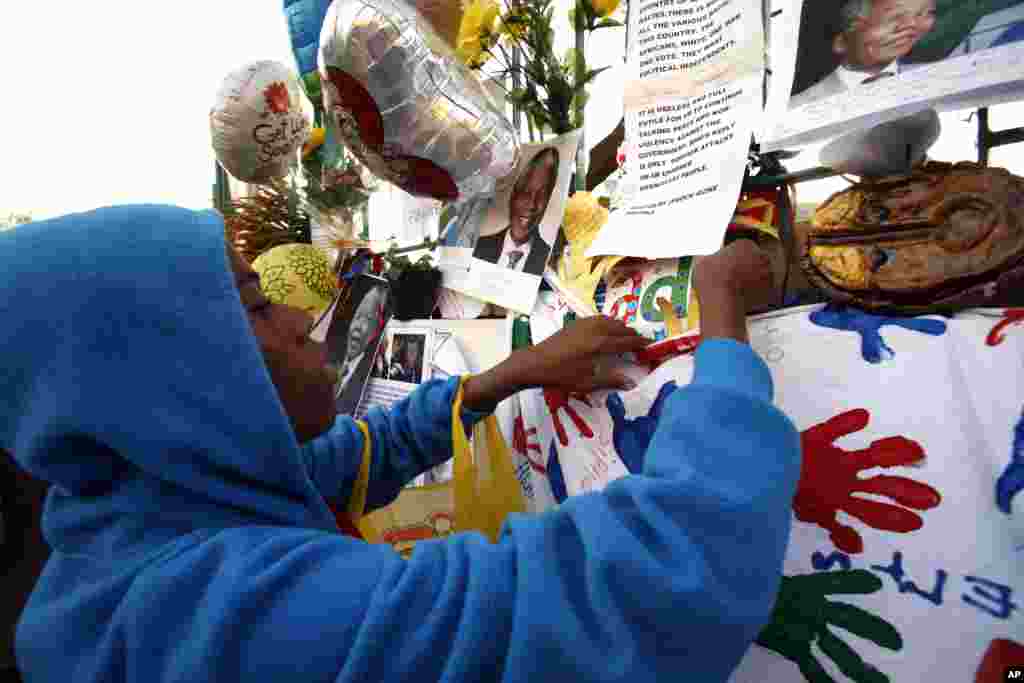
{"x":906,"y":560}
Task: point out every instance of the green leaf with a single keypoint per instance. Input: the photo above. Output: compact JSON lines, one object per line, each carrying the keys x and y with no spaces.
{"x":539,"y":115}
{"x":518,"y":95}
{"x":608,"y":23}
{"x":588,"y":77}
{"x":571,"y":61}
{"x":550,"y":37}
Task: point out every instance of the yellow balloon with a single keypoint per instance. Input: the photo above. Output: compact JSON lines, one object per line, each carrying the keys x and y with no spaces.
{"x":297,"y":275}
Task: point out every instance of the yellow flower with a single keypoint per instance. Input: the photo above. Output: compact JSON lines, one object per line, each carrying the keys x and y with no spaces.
{"x":514,"y":24}
{"x":471,"y":53}
{"x":584,"y":218}
{"x":478,"y":61}
{"x":604,"y":8}
{"x":316,"y":138}
{"x":491,"y":15}
{"x":477,"y":32}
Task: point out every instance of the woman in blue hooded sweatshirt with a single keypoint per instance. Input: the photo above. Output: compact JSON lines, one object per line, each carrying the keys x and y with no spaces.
{"x":187,"y":427}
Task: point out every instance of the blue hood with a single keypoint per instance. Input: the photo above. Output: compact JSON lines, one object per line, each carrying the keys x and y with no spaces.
{"x":124,"y":331}
{"x":182,"y":505}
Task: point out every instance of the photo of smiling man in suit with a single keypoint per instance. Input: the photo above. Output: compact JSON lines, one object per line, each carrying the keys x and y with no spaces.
{"x":519,"y":246}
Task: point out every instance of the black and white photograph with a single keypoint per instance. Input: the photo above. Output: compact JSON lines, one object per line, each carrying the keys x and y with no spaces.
{"x":380,"y":360}
{"x":356,"y":330}
{"x":407,"y":359}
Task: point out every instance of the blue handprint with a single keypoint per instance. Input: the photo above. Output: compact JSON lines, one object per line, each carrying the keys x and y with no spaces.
{"x":868,"y":326}
{"x":1011,"y":481}
{"x":555,"y":476}
{"x":631,"y":437}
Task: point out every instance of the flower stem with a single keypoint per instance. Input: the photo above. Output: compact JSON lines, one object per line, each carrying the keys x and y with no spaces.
{"x":581,"y":63}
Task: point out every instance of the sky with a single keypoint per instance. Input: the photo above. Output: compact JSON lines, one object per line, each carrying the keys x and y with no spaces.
{"x":106,"y":102}
{"x":956,"y":143}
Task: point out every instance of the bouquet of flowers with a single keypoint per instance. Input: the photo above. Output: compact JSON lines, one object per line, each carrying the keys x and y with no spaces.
{"x":518,"y":40}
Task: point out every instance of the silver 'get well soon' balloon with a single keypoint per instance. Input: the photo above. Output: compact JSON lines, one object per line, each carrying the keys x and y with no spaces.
{"x":257,"y":123}
{"x":400,"y":100}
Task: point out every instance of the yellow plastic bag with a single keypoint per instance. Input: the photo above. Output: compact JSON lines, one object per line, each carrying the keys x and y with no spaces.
{"x":481,"y":494}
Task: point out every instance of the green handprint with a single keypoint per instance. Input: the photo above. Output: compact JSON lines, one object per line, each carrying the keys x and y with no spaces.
{"x":802,"y":616}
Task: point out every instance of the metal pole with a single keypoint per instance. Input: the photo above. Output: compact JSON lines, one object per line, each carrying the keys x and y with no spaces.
{"x":221,"y":189}
{"x":215,"y":189}
{"x":988,"y":138}
{"x":517,"y":115}
{"x":983,"y":134}
{"x":626,"y":56}
{"x":581,"y":149}
{"x":1009,"y":136}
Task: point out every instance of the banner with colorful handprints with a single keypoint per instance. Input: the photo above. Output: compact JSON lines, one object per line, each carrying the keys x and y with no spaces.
{"x":906,"y":560}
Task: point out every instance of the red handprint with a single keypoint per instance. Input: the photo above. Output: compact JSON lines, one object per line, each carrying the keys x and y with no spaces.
{"x":1012,"y":316}
{"x":828,"y":480}
{"x":559,"y":400}
{"x":522,"y":442}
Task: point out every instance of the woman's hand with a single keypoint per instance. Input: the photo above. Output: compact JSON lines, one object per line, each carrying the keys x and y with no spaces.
{"x":730,"y":283}
{"x":576,"y":360}
{"x":741,"y":269}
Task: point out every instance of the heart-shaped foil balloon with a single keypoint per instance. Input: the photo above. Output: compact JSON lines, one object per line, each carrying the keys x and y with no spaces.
{"x":401,"y":101}
{"x":257,"y":123}
{"x":306,"y":18}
